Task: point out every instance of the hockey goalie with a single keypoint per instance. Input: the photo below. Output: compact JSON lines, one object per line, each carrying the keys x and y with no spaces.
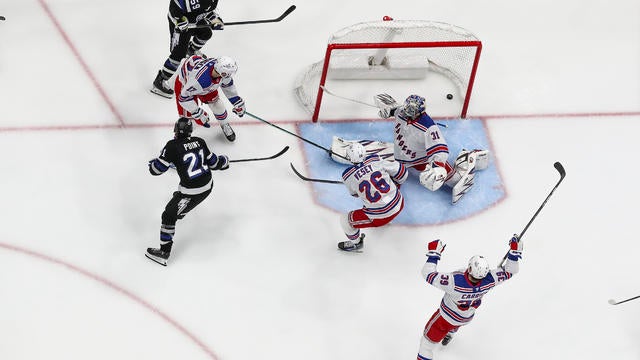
{"x":419,"y":145}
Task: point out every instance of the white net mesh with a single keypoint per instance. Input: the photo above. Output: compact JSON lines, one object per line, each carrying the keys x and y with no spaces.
{"x":398,"y":49}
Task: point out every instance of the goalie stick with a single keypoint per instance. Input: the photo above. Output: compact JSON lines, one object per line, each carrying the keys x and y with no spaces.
{"x":284,"y":150}
{"x":613,"y":302}
{"x":314,"y":180}
{"x":562,"y":173}
{"x":387,"y":96}
{"x":298,"y":136}
{"x":247,"y":22}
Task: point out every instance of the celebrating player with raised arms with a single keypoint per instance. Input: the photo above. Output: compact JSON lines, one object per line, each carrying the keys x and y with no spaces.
{"x":376,"y":182}
{"x":198,"y":82}
{"x":420,"y":144}
{"x":463,"y":292}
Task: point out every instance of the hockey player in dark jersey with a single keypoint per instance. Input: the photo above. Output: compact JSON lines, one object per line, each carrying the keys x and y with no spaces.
{"x":193,"y":162}
{"x":463,"y":289}
{"x":185,"y":40}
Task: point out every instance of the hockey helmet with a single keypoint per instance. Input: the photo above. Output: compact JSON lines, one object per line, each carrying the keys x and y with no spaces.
{"x":356,"y":152}
{"x":225,"y":66}
{"x":478,"y":267}
{"x":413,"y":106}
{"x":183,"y":127}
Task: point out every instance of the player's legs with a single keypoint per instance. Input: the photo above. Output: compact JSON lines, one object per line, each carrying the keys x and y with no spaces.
{"x":220,"y":112}
{"x":182,"y":111}
{"x":199,"y":39}
{"x":435,"y":330}
{"x":355,"y":220}
{"x":178,"y":45}
{"x":179,"y":205}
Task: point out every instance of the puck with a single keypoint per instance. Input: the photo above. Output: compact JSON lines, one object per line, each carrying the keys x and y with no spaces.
{"x":449,"y":96}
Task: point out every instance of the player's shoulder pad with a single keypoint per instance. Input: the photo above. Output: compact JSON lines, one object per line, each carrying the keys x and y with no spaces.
{"x":425,"y":120}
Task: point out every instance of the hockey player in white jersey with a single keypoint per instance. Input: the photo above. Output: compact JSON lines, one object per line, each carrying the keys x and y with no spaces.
{"x":463,"y":289}
{"x":198,"y":82}
{"x":419,"y":144}
{"x":376,"y":182}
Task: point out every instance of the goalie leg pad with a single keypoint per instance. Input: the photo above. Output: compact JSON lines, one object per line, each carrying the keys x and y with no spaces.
{"x":462,"y":180}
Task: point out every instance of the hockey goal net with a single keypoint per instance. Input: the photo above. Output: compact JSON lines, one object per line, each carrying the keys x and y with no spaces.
{"x":393,"y":50}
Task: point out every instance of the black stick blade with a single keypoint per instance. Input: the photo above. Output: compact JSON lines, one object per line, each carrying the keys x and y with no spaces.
{"x":560,"y":169}
{"x":287,"y":12}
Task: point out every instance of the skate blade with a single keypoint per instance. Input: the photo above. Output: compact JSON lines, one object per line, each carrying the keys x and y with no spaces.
{"x":160,"y":93}
{"x":158,"y":260}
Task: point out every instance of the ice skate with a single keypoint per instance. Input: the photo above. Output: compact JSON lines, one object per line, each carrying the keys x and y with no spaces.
{"x":447,"y":339}
{"x":158,"y":255}
{"x":160,"y":87}
{"x":228,"y":132}
{"x":352,"y":245}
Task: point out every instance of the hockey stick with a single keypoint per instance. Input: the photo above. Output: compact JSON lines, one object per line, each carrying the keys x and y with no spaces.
{"x":247,"y":22}
{"x":298,"y":136}
{"x":362,"y":102}
{"x":284,"y":150}
{"x":314,"y":180}
{"x":613,"y":302}
{"x":562,"y":173}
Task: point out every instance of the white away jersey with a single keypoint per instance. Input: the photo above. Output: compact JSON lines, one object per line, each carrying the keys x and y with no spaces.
{"x":195,"y":76}
{"x":418,"y":141}
{"x":462,"y":298}
{"x":374,"y":182}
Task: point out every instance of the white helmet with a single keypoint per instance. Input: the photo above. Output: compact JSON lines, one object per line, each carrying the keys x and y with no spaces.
{"x":355,"y":153}
{"x":225,"y":66}
{"x":478,"y":267}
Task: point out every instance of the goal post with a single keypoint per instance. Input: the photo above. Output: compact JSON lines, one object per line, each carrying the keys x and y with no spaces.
{"x":393,"y":50}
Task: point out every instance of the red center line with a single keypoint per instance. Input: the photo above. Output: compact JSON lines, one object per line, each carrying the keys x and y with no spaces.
{"x":84,"y":65}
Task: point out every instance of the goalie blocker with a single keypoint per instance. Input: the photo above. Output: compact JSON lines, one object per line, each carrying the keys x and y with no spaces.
{"x":460,"y":179}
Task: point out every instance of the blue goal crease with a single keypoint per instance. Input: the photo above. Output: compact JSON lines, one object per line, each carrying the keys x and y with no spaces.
{"x":422,"y":207}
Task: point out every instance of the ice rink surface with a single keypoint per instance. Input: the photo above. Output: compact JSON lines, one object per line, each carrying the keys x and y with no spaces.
{"x":255,"y":272}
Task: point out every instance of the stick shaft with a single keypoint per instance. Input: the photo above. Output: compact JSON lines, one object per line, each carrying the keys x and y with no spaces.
{"x":284,"y":150}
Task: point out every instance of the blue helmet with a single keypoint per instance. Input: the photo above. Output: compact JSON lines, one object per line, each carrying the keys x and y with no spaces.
{"x":413,"y":106}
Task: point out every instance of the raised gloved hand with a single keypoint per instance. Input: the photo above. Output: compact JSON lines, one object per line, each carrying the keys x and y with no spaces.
{"x":433,"y":177}
{"x":436,"y":247}
{"x":212,"y":18}
{"x":515,"y":248}
{"x":385,"y":104}
{"x":238,"y":105}
{"x":201,"y":118}
{"x":182,"y":24}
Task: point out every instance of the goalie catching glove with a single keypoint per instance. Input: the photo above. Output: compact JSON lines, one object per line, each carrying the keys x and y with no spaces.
{"x":238,"y":105}
{"x":386,"y":104}
{"x":433,"y":177}
{"x":515,"y":248}
{"x":436,"y":247}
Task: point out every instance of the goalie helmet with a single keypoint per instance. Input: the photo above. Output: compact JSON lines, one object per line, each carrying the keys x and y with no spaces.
{"x":355,"y":153}
{"x":225,"y":66}
{"x":183,"y":127}
{"x":478,"y":267}
{"x":413,"y":106}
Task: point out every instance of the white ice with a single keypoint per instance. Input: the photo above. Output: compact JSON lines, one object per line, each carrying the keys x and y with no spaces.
{"x":255,"y":272}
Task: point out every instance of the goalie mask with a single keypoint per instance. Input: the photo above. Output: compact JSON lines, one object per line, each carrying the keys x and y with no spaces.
{"x":183,"y":127}
{"x":356,"y":153}
{"x":478,"y":267}
{"x":225,"y":66}
{"x":413,"y":106}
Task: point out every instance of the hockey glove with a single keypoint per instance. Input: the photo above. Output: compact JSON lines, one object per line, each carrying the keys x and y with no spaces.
{"x":214,"y":20}
{"x":238,"y":105}
{"x":222,"y":163}
{"x":435,"y":247}
{"x":201,"y":118}
{"x":433,"y":177}
{"x":515,"y":248}
{"x":182,"y":24}
{"x":386,"y":104}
